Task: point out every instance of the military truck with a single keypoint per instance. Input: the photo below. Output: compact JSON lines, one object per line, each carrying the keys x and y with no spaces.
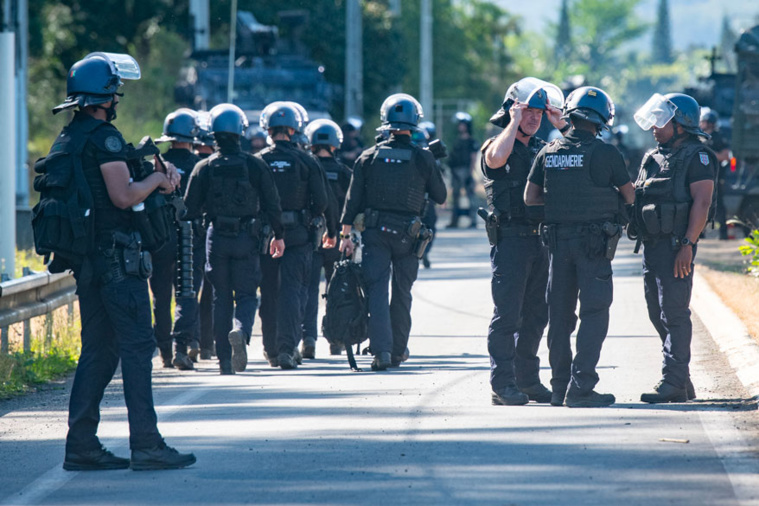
{"x":267,"y":68}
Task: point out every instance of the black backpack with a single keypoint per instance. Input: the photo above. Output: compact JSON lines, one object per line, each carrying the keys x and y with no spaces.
{"x":346,"y":321}
{"x":62,"y":220}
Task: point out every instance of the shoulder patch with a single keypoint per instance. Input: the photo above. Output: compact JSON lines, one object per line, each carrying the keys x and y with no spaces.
{"x":703,"y":157}
{"x":113,"y":144}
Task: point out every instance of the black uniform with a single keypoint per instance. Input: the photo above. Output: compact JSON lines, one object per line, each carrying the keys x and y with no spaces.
{"x":718,"y":143}
{"x":520,"y":273}
{"x":578,"y":174}
{"x":235,"y":190}
{"x":114,"y":305}
{"x":388,"y":185}
{"x":338,"y":177}
{"x":461,"y":177}
{"x":205,"y":303}
{"x":284,"y":286}
{"x":186,"y":326}
{"x":663,"y":203}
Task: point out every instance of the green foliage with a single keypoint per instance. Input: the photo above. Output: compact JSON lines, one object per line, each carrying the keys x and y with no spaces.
{"x":28,"y":258}
{"x":661,"y":50}
{"x":751,"y":250}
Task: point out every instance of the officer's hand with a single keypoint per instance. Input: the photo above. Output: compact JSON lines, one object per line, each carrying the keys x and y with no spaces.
{"x":277,"y":248}
{"x":165,"y":186}
{"x":554,"y":116}
{"x":328,"y":242}
{"x":346,"y":246}
{"x":172,"y":173}
{"x":683,"y":261}
{"x":515,"y":111}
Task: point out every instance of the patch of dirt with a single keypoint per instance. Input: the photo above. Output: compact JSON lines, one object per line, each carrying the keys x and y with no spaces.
{"x":739,"y":292}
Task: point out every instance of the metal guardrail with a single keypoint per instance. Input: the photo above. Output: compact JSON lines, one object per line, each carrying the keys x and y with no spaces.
{"x":30,"y":296}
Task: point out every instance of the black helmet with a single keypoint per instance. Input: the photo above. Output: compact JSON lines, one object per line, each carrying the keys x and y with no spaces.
{"x":324,"y":132}
{"x":255,"y":132}
{"x":96,"y":78}
{"x":180,"y":125}
{"x":591,"y":104}
{"x":687,"y":114}
{"x":430,"y":128}
{"x":709,"y":115}
{"x":462,"y":117}
{"x":302,"y":112}
{"x":281,"y":114}
{"x":400,"y":112}
{"x":204,"y":136}
{"x":228,"y":118}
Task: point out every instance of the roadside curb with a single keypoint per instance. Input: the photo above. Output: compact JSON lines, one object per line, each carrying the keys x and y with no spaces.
{"x":728,"y":332}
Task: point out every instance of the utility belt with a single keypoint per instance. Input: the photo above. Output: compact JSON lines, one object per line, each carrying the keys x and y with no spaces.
{"x":292,"y":219}
{"x":598,"y":238}
{"x":411,"y":228}
{"x":497,"y":229}
{"x":120,"y":255}
{"x":228,"y":226}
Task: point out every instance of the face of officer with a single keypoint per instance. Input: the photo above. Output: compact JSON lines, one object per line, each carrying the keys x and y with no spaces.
{"x":664,"y":134}
{"x":531,"y":118}
{"x":706,"y":126}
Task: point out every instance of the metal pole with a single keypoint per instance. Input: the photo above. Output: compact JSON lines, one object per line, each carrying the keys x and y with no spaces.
{"x":354,"y":64}
{"x":425,"y":57}
{"x":22,"y":119}
{"x":7,"y":153}
{"x":232,"y":43}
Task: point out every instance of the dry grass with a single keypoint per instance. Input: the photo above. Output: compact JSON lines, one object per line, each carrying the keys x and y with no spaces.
{"x":739,"y":292}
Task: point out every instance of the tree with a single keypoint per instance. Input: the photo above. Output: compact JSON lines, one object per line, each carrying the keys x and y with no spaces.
{"x":563,"y":46}
{"x":661,"y":52}
{"x":727,"y":41}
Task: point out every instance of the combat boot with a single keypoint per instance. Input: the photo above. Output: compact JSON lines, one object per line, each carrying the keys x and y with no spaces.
{"x":205,"y":354}
{"x":397,"y":360}
{"x":537,"y":393}
{"x":272,"y":359}
{"x":592,"y":399}
{"x":690,"y":390}
{"x":239,"y":350}
{"x":182,"y":362}
{"x":308,"y":348}
{"x":286,"y":361}
{"x":225,"y":367}
{"x":557,"y":397}
{"x":159,"y":457}
{"x":297,"y":357}
{"x":665,"y":392}
{"x":194,"y":351}
{"x":93,"y":460}
{"x":336,"y":349}
{"x":509,"y":396}
{"x":167,"y":357}
{"x":381,"y":361}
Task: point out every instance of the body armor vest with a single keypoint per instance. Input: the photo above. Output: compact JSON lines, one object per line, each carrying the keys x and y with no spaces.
{"x":290,"y":175}
{"x":338,"y":177}
{"x":662,"y":193}
{"x":230,"y":194}
{"x":506,"y":193}
{"x":571,"y":196}
{"x":185,"y":161}
{"x":394,"y":182}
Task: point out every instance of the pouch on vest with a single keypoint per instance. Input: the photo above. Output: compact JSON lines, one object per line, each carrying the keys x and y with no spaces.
{"x":682,"y":217}
{"x":667,"y":217}
{"x":651,"y":219}
{"x":226,"y":226}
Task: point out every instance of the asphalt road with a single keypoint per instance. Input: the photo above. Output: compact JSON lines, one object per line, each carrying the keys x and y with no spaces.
{"x":422,"y":434}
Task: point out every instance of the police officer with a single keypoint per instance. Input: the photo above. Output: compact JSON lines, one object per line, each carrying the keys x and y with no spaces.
{"x":580,"y":179}
{"x":462,"y":163}
{"x":428,"y":139}
{"x":673,"y":197}
{"x":325,"y":137}
{"x":113,"y":299}
{"x":518,"y":258}
{"x":352,"y":146}
{"x":256,"y":138}
{"x":709,"y":123}
{"x":204,"y":146}
{"x":180,"y":128}
{"x":388,"y":186}
{"x":236,"y":191}
{"x":284,"y":286}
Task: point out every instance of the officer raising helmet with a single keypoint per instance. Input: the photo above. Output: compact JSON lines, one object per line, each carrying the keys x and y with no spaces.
{"x":110,"y":264}
{"x":388,"y":186}
{"x":674,"y":193}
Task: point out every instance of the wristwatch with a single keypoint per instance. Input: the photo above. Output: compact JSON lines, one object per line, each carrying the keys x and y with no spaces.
{"x":686,"y":242}
{"x":345,"y":236}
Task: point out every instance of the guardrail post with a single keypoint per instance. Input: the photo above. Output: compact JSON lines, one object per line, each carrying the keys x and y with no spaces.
{"x":70,"y":309}
{"x":27,"y":335}
{"x":4,"y":339}
{"x":48,"y":331}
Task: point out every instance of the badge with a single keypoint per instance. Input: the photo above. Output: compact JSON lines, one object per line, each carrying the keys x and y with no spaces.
{"x":508,"y":168}
{"x":704,"y":158}
{"x":113,"y":144}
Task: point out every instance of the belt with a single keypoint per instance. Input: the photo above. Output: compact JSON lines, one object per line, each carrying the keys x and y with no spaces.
{"x":507,"y":230}
{"x":563,"y":231}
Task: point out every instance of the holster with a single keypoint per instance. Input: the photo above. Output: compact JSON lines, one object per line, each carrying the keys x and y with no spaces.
{"x":422,"y":241}
{"x":613,"y":232}
{"x":267,"y":234}
{"x":124,"y":257}
{"x":548,"y":236}
{"x":316,"y":230}
{"x":492,"y":223}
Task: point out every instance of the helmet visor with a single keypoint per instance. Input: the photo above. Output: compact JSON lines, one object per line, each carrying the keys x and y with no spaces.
{"x":657,"y":112}
{"x":123,"y":65}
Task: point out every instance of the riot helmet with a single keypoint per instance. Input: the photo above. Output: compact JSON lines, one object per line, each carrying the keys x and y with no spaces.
{"x":676,"y":107}
{"x":302,"y":112}
{"x":353,"y":123}
{"x":95,"y":79}
{"x":687,"y":114}
{"x":709,"y":115}
{"x":280,"y":114}
{"x":255,"y":132}
{"x":536,"y":93}
{"x":204,"y":136}
{"x":228,"y":118}
{"x":591,"y":104}
{"x":180,"y":126}
{"x":430,"y":128}
{"x":400,"y":112}
{"x":324,"y":132}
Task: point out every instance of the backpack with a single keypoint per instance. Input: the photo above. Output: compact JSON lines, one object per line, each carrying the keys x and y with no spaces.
{"x":62,"y":220}
{"x":346,"y":321}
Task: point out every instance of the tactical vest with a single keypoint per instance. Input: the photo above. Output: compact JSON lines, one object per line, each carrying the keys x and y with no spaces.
{"x":230,"y":193}
{"x":506,"y":193}
{"x":185,"y":161}
{"x":337,"y":175}
{"x":662,"y":193}
{"x":571,"y":196}
{"x":290,"y":175}
{"x":393,"y":181}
